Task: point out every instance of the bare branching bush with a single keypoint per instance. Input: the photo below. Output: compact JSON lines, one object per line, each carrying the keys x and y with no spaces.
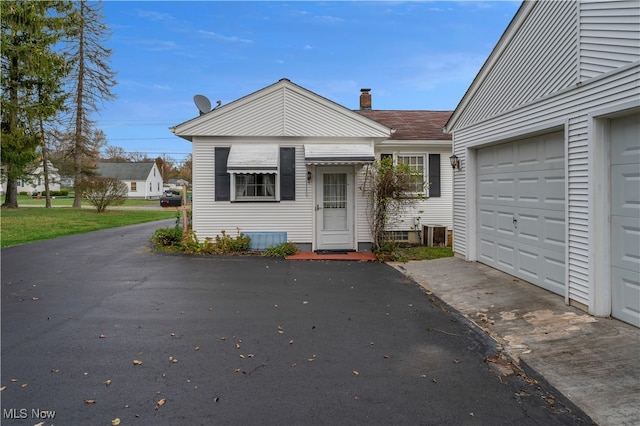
{"x":390,"y":191}
{"x":103,"y":192}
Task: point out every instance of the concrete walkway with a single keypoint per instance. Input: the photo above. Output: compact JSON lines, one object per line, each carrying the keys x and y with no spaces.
{"x":593,"y":361}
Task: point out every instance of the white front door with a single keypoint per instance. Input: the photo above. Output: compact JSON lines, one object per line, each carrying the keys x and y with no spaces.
{"x":334,"y":208}
{"x":625,"y":219}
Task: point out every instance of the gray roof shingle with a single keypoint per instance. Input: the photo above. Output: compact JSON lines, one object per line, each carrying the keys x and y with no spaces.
{"x":125,"y":171}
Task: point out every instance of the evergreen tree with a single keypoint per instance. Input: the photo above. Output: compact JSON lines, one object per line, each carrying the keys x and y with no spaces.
{"x":32,"y":72}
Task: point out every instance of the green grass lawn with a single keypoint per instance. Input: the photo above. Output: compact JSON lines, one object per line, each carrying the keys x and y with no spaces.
{"x":29,"y":201}
{"x":24,"y":225}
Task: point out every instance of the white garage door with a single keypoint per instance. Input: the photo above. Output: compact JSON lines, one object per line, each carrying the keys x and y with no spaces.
{"x":521,"y":209}
{"x":625,"y":219}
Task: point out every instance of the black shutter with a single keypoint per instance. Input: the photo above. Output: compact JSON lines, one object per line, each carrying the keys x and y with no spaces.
{"x":223,"y":179}
{"x":434,"y":175}
{"x":287,"y":173}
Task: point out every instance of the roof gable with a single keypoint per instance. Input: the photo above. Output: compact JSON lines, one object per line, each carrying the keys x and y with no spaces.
{"x":535,"y":57}
{"x":282,"y":109}
{"x":412,"y":125}
{"x":125,"y":171}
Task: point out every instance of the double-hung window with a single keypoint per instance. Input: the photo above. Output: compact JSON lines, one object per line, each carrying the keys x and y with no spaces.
{"x":255,"y":186}
{"x":416,"y":162}
{"x":427,"y":172}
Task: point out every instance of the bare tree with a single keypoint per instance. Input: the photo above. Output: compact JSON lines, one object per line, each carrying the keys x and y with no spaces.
{"x":92,"y":80}
{"x":389,"y":187}
{"x":115,"y":153}
{"x":185,"y":170}
{"x":103,"y":192}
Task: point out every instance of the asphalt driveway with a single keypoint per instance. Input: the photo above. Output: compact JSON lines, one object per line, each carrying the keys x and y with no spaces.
{"x":97,"y":327}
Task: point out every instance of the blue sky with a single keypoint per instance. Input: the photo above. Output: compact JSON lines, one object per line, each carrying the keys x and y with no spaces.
{"x":412,"y":54}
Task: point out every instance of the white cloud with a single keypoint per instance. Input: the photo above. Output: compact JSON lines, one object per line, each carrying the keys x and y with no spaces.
{"x":216,"y":36}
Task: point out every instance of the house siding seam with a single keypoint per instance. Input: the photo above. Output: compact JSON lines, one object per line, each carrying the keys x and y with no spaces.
{"x":573,"y":107}
{"x":526,"y":59}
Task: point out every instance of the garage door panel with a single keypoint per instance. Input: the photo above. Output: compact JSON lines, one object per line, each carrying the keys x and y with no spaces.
{"x":506,"y":256}
{"x":625,"y":179}
{"x":625,"y":218}
{"x":625,"y":148}
{"x":626,"y":295}
{"x":521,"y":209}
{"x":625,"y":247}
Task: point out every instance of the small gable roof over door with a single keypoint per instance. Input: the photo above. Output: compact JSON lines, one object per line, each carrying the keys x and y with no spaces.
{"x":282,"y":109}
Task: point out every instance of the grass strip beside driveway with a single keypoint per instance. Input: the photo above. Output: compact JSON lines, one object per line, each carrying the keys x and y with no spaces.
{"x":20,"y":226}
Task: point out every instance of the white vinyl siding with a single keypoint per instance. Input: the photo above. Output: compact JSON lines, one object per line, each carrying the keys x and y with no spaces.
{"x":521,"y":73}
{"x":611,"y":87}
{"x":609,"y":36}
{"x":286,"y":110}
{"x":295,"y":217}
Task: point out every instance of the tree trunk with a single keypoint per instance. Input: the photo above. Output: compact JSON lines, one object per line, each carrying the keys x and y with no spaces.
{"x":45,"y":167}
{"x":79,"y":143}
{"x":11,"y":197}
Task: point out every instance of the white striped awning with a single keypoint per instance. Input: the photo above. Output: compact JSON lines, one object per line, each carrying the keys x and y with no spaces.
{"x":253,"y":158}
{"x":338,"y":153}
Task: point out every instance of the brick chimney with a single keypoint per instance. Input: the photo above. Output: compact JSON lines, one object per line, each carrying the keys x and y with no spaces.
{"x":365,"y":99}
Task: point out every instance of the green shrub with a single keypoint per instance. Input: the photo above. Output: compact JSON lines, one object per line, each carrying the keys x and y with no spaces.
{"x":281,"y":250}
{"x":167,"y":237}
{"x":228,"y":244}
{"x":23,"y":193}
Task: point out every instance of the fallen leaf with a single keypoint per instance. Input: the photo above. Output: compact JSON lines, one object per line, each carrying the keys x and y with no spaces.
{"x":161,"y":402}
{"x":385,"y":356}
{"x":291,"y":342}
{"x":197,"y":348}
{"x":216,"y":399}
{"x":237,"y":345}
{"x":115,"y":422}
{"x":355,"y":373}
{"x":14,"y":380}
{"x":211,"y":309}
{"x":107,"y":382}
{"x":237,"y":370}
{"x":103,"y":336}
{"x":137,"y":362}
{"x":2,"y":388}
{"x":434,"y":380}
{"x":456,"y":361}
{"x":172,"y":359}
{"x":24,"y":385}
{"x":39,"y":424}
{"x":55,"y":370}
{"x":223,"y":338}
{"x":89,"y":401}
{"x":35,"y":298}
{"x":241,"y":356}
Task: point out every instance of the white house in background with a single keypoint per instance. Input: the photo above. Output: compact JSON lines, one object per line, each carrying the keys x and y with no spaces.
{"x":33,"y":179}
{"x":285,"y":164}
{"x":548,"y":136}
{"x":143,"y":179}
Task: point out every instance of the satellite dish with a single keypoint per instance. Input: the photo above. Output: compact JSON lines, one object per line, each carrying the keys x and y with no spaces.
{"x":203,"y":104}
